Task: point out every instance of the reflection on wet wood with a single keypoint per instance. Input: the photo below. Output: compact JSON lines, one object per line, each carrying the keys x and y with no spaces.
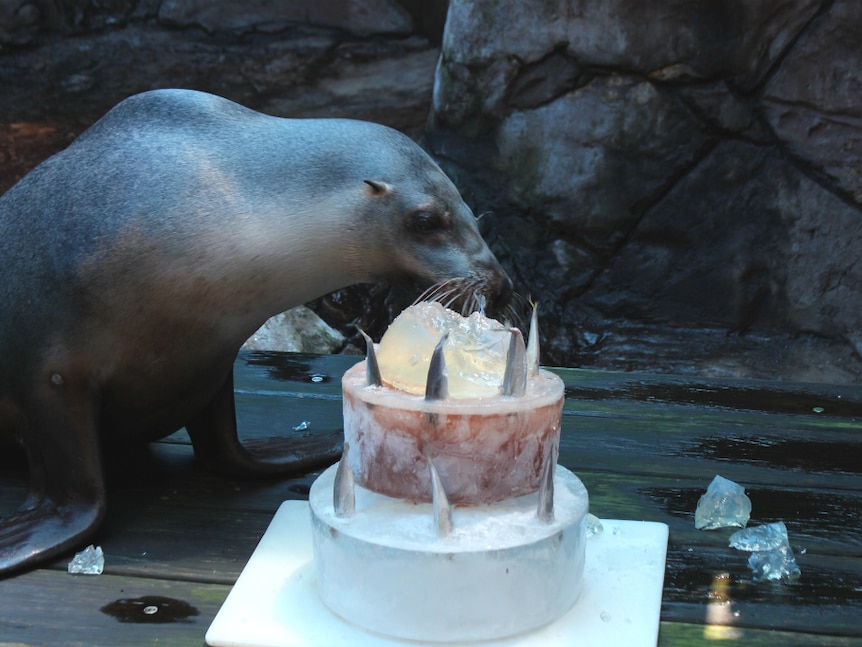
{"x":646,"y":447}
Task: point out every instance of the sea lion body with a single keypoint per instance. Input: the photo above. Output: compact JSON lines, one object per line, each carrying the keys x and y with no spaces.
{"x":138,"y":260}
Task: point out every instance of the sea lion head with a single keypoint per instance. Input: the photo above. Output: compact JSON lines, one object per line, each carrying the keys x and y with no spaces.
{"x":425,"y":235}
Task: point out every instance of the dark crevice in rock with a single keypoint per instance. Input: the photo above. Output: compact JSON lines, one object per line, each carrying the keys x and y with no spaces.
{"x":543,"y":81}
{"x":817,"y":175}
{"x":642,"y":206}
{"x":822,"y":179}
{"x":735,"y":117}
{"x":757,"y":90}
{"x":558,"y":232}
{"x":751,"y":311}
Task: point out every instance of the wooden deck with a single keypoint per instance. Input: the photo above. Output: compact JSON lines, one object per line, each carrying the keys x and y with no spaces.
{"x":645,"y":446}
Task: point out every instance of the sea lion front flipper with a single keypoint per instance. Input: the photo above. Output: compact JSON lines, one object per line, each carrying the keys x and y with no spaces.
{"x":33,"y":535}
{"x":216,"y":444}
{"x":66,"y":503}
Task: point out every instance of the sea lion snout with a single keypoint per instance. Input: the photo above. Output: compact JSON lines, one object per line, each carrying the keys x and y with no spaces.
{"x":437,"y":247}
{"x":499,"y":292}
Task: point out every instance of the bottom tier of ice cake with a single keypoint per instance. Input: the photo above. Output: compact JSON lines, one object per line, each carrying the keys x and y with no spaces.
{"x":500,"y":571}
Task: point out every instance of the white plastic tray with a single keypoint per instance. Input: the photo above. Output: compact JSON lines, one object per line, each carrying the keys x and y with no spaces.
{"x":274,"y":602}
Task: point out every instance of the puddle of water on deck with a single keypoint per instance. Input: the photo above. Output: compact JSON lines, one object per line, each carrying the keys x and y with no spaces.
{"x":150,"y":609}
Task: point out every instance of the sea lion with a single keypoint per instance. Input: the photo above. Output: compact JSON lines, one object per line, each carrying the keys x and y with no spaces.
{"x":138,"y":260}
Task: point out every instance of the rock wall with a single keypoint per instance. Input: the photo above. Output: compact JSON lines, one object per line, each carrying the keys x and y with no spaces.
{"x":23,"y":21}
{"x":692,"y":165}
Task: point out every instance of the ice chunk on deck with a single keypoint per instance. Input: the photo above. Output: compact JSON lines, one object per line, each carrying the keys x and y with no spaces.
{"x":771,"y":555}
{"x":770,"y":536}
{"x":594,"y":525}
{"x":724,"y":504}
{"x":90,"y":561}
{"x":475,"y":351}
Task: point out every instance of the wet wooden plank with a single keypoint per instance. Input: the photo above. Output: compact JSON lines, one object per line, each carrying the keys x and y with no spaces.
{"x":702,"y":581}
{"x":204,"y":528}
{"x":688,"y":440}
{"x":678,"y":634}
{"x":297,"y":373}
{"x":292,"y":374}
{"x":818,"y":520}
{"x":667,"y":427}
{"x":47,"y":607}
{"x":736,"y":394}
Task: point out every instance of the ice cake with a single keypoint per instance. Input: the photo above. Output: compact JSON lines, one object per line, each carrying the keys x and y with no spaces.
{"x":447,"y":518}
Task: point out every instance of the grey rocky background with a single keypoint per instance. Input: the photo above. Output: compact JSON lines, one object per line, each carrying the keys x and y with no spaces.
{"x":677,"y":184}
{"x":694,"y":167}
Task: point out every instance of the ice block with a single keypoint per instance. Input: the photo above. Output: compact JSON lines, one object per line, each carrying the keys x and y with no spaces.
{"x":485,"y":449}
{"x":500,"y":572}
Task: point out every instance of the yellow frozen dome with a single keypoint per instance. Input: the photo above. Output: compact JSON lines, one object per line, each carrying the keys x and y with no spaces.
{"x":474,"y":351}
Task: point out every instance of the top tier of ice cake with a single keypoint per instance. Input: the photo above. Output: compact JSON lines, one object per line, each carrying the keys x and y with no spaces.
{"x":488,"y":431}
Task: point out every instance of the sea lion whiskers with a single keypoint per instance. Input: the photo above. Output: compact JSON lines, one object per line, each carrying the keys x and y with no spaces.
{"x":472,"y":299}
{"x":466,"y":290}
{"x":513,"y":313}
{"x":431,"y":292}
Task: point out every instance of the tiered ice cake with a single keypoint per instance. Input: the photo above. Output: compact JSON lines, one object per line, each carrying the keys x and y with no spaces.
{"x":447,"y":518}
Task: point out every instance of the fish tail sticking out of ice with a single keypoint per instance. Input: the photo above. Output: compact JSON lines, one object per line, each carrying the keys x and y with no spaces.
{"x":440,"y":502}
{"x":545,"y":508}
{"x":437,"y":384}
{"x":372,"y":370}
{"x":343,"y":490}
{"x":515,"y":375}
{"x":533,"y":343}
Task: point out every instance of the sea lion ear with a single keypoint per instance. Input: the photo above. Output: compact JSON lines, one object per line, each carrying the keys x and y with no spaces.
{"x":377,"y":188}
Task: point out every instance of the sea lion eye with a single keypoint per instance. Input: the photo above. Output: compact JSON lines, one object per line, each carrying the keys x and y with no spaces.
{"x":427,"y":222}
